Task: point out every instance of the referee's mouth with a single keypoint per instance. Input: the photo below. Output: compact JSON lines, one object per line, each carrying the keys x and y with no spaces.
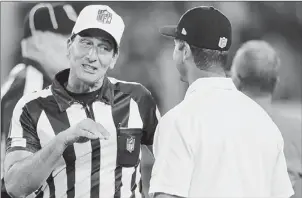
{"x":89,"y":68}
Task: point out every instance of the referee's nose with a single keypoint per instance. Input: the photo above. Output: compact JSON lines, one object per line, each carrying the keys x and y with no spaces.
{"x":92,"y":55}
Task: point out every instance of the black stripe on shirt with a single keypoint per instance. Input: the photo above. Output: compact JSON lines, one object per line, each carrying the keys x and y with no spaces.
{"x":40,"y":194}
{"x":140,"y":181}
{"x":118,"y":181}
{"x":95,"y":160}
{"x":51,"y":186}
{"x":133,"y":182}
{"x":95,"y":168}
{"x":60,"y":123}
{"x":28,"y":122}
{"x":120,"y":114}
{"x":69,"y":157}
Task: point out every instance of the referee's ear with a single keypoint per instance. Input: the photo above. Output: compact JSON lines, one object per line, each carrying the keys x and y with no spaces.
{"x":69,"y":42}
{"x":114,"y":59}
{"x":68,"y":47}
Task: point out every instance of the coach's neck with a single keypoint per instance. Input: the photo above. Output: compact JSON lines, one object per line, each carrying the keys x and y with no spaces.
{"x":195,"y":73}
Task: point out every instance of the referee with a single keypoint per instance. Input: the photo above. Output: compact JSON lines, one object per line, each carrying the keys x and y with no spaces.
{"x":82,"y":136}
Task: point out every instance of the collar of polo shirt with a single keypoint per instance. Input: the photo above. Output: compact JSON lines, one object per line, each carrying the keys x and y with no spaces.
{"x":211,"y":83}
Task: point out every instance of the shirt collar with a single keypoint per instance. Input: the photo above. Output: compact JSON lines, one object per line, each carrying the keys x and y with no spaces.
{"x":64,"y":100}
{"x":211,"y":83}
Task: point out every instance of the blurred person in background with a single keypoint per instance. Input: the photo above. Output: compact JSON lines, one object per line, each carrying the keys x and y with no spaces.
{"x":255,"y":72}
{"x":82,"y":136}
{"x":211,"y":144}
{"x":46,"y":30}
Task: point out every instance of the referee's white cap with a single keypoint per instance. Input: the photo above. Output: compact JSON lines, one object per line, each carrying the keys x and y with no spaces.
{"x":100,"y":17}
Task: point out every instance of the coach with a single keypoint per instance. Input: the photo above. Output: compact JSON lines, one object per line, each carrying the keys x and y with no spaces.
{"x":217,"y":142}
{"x":82,"y":136}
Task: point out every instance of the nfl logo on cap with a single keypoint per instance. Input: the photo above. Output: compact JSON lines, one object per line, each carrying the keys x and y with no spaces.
{"x":104,"y":16}
{"x":222,"y":42}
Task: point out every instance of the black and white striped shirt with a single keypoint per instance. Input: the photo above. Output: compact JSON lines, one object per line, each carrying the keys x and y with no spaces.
{"x":87,"y":169}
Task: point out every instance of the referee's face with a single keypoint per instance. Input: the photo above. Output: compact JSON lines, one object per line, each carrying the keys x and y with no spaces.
{"x":90,"y":58}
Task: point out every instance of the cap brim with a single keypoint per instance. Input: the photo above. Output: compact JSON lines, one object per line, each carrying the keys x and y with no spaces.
{"x":169,"y":31}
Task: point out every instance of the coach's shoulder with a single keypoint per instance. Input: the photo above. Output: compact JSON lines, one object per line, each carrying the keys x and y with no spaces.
{"x":135,"y":89}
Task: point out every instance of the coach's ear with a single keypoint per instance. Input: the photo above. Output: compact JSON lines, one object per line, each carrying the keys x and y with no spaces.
{"x":187,"y":53}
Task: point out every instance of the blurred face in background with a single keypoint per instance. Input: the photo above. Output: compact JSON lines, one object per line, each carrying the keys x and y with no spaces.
{"x":178,"y":58}
{"x":255,"y":67}
{"x":48,"y":49}
{"x":91,"y":57}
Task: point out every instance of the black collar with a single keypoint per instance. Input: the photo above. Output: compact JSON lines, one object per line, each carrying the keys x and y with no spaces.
{"x":64,"y":100}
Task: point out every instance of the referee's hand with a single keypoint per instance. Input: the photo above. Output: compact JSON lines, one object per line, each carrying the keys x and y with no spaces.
{"x":84,"y":131}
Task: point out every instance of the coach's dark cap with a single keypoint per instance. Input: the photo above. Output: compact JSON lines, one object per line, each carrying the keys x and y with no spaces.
{"x":58,"y":18}
{"x":202,"y":27}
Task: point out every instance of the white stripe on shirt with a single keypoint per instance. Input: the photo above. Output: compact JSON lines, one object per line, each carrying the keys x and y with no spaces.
{"x":135,"y":120}
{"x":103,"y":115}
{"x":46,"y":134}
{"x":76,"y":113}
{"x":17,"y":130}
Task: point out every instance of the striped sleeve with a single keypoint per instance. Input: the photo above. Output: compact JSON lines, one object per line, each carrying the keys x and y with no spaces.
{"x":22,"y":134}
{"x":150,"y":115}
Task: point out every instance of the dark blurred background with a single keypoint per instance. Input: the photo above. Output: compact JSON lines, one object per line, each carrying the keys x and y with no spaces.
{"x":146,"y":57}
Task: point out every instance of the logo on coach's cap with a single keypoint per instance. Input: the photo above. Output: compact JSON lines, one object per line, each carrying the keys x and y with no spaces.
{"x":104,"y":16}
{"x":183,"y":31}
{"x":222,"y":42}
{"x":203,"y":27}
